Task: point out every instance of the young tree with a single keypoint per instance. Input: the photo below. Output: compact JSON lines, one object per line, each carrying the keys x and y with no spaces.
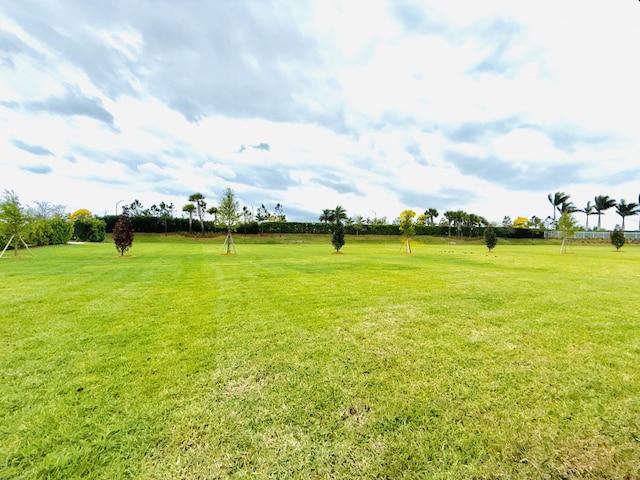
{"x":567,"y":226}
{"x":189,"y":208}
{"x":165,"y":214}
{"x":337,"y":236}
{"x":229,"y":216}
{"x":262,"y":215}
{"x":279,"y":216}
{"x":123,"y":232}
{"x":617,"y":237}
{"x":337,"y":216}
{"x":490,"y":239}
{"x":247,"y":216}
{"x":407,"y":227}
{"x":13,"y":221}
{"x":198,"y":198}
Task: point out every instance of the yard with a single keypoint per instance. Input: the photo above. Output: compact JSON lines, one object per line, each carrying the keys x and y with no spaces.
{"x":290,"y":361}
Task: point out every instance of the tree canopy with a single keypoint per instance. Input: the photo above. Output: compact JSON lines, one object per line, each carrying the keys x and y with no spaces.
{"x":407,"y":227}
{"x":123,"y":232}
{"x":13,"y":220}
{"x":229,"y":211}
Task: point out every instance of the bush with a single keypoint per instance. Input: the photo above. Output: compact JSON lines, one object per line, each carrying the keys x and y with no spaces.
{"x":617,"y":238}
{"x":61,"y":231}
{"x":89,"y":229}
{"x":490,"y":239}
{"x":39,"y":232}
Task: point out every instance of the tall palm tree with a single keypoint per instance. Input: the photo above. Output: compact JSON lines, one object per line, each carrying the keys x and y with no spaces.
{"x":189,"y":208}
{"x":459,"y":219}
{"x":338,"y":214}
{"x":588,"y":210}
{"x":432,"y":213}
{"x":625,"y":209}
{"x":449,"y":216}
{"x":567,"y":207}
{"x":556,"y":200}
{"x":325,"y":216}
{"x":214,"y":211}
{"x":602,"y":203}
{"x":200,"y":206}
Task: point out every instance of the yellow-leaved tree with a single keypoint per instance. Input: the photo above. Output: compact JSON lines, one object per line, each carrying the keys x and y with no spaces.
{"x":407,"y":227}
{"x":520,"y":222}
{"x":83,"y":212}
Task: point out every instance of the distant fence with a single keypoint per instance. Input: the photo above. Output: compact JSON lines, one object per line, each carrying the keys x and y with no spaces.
{"x":629,"y":235}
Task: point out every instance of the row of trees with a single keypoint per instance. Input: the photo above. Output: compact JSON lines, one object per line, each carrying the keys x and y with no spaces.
{"x":601,"y":203}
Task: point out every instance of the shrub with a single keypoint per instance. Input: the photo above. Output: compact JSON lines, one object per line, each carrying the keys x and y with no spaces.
{"x":89,"y":229}
{"x":61,"y":231}
{"x":617,"y":238}
{"x":39,"y":232}
{"x":337,"y":239}
{"x":490,"y":238}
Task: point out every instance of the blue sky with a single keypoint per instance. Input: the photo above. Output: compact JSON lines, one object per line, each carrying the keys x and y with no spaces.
{"x":374,"y":105}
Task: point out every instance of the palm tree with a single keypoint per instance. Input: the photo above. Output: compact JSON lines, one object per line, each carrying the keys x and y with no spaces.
{"x":189,"y":208}
{"x":602,"y":203}
{"x":432,"y":213}
{"x":567,"y":207}
{"x":474,"y":221}
{"x":625,"y":209}
{"x":214,"y":211}
{"x":338,"y":214}
{"x":325,"y":216}
{"x":449,"y":216}
{"x":588,"y":210}
{"x":556,"y":200}
{"x":200,"y":206}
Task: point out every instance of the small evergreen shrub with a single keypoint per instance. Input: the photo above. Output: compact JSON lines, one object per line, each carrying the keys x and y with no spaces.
{"x":337,"y":237}
{"x":617,"y":238}
{"x":490,"y":239}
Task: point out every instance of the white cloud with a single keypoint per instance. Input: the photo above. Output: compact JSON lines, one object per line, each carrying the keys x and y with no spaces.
{"x":377,"y":106}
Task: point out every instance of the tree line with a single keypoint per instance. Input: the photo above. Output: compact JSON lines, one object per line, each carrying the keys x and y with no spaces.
{"x":44,"y":223}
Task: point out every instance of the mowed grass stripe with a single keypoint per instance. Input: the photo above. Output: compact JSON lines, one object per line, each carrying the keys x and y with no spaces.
{"x":288,"y":361}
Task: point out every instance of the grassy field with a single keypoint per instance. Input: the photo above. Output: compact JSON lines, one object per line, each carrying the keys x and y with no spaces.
{"x":288,"y":361}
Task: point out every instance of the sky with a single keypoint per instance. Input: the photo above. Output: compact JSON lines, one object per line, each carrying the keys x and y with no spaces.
{"x":378,"y":105}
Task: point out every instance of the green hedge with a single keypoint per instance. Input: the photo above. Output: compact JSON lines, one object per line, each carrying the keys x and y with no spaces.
{"x":89,"y":229}
{"x":148,"y":224}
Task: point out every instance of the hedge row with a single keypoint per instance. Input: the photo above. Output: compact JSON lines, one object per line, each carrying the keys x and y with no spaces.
{"x":147,"y":224}
{"x":44,"y":232}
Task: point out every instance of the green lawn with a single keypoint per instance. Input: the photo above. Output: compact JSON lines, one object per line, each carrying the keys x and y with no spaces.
{"x":288,"y":361}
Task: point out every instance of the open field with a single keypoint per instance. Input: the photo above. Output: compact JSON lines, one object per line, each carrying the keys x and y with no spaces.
{"x":288,"y":361}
